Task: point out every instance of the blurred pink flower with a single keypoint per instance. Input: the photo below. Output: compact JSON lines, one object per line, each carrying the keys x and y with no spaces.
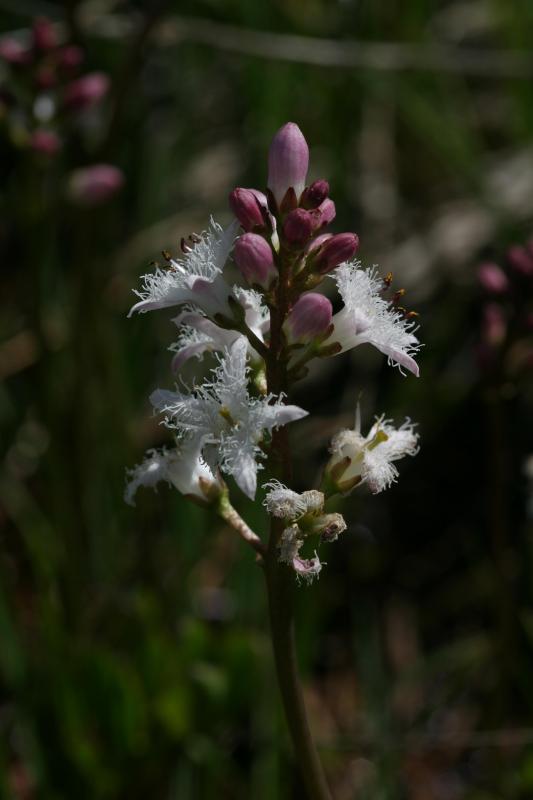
{"x":94,"y":185}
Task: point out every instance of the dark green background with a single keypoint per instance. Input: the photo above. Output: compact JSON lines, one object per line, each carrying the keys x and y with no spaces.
{"x":134,"y":650}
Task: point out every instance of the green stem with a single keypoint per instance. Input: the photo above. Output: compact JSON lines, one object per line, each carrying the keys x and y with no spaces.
{"x":280,"y":580}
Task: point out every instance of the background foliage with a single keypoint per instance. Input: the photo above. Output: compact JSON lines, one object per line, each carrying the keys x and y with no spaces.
{"x":134,"y":655}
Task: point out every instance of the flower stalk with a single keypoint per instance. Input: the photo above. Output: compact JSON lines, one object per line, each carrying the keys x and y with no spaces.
{"x":263,"y":335}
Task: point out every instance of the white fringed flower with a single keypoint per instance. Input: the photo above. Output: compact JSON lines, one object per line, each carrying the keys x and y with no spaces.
{"x":199,"y":335}
{"x":183,"y":467}
{"x":368,"y":318}
{"x":225,"y":420}
{"x":356,"y":458}
{"x":195,"y":278}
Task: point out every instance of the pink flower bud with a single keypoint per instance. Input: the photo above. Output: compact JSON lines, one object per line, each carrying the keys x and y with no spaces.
{"x":92,"y":186}
{"x":310,"y":317}
{"x":44,"y":142}
{"x":288,"y":161}
{"x":44,"y":35}
{"x":315,"y":194}
{"x":326,"y":213}
{"x":521,"y":261}
{"x":334,"y":251}
{"x":316,"y":243}
{"x":254,"y":258}
{"x":86,"y":91}
{"x":246,"y":207}
{"x":70,"y":57}
{"x":14,"y":52}
{"x":298,"y":227}
{"x":492,"y":278}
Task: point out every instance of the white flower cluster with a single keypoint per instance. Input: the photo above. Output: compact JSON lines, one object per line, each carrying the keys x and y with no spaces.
{"x":223,"y":424}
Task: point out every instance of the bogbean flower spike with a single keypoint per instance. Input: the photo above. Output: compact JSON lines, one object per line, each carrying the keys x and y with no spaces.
{"x":263,"y":334}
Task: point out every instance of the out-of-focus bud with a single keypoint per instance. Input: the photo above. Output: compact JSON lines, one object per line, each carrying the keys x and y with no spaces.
{"x":92,"y":186}
{"x":326,"y":213}
{"x":494,"y":327}
{"x":14,"y":52}
{"x":334,"y":251}
{"x":288,"y":161}
{"x":255,"y":260}
{"x":86,"y":91}
{"x":44,"y":142}
{"x":309,"y":318}
{"x":315,"y":194}
{"x":44,"y":34}
{"x":298,"y":227}
{"x":70,"y":57}
{"x":247,"y":209}
{"x":492,"y":278}
{"x":521,"y":261}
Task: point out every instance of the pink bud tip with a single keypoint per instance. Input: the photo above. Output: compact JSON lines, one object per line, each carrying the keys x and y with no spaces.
{"x":310,"y":317}
{"x":336,"y":250}
{"x":326,"y":213}
{"x":247,"y":209}
{"x":288,"y":161}
{"x":315,"y":194}
{"x":14,"y":52}
{"x":86,"y":91}
{"x":94,"y":185}
{"x":254,"y":258}
{"x":492,"y":278}
{"x":521,"y":261}
{"x":46,"y":143}
{"x":44,"y":35}
{"x":298,"y":227}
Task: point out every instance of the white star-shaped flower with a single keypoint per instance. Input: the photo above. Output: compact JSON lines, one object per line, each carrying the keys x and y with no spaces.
{"x":225,"y":419}
{"x":195,"y":278}
{"x":368,"y":318}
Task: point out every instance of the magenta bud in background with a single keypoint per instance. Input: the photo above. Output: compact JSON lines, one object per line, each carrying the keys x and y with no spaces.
{"x":44,"y":35}
{"x":92,"y":186}
{"x":44,"y":142}
{"x":492,"y":278}
{"x":247,"y":209}
{"x":494,"y":327}
{"x":255,"y":260}
{"x":309,"y":318}
{"x":70,"y":57}
{"x":335,"y":250}
{"x":326,"y":213}
{"x":86,"y":91}
{"x":14,"y":52}
{"x":298,"y":227}
{"x":521,"y":260}
{"x":288,"y":161}
{"x":315,"y":194}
